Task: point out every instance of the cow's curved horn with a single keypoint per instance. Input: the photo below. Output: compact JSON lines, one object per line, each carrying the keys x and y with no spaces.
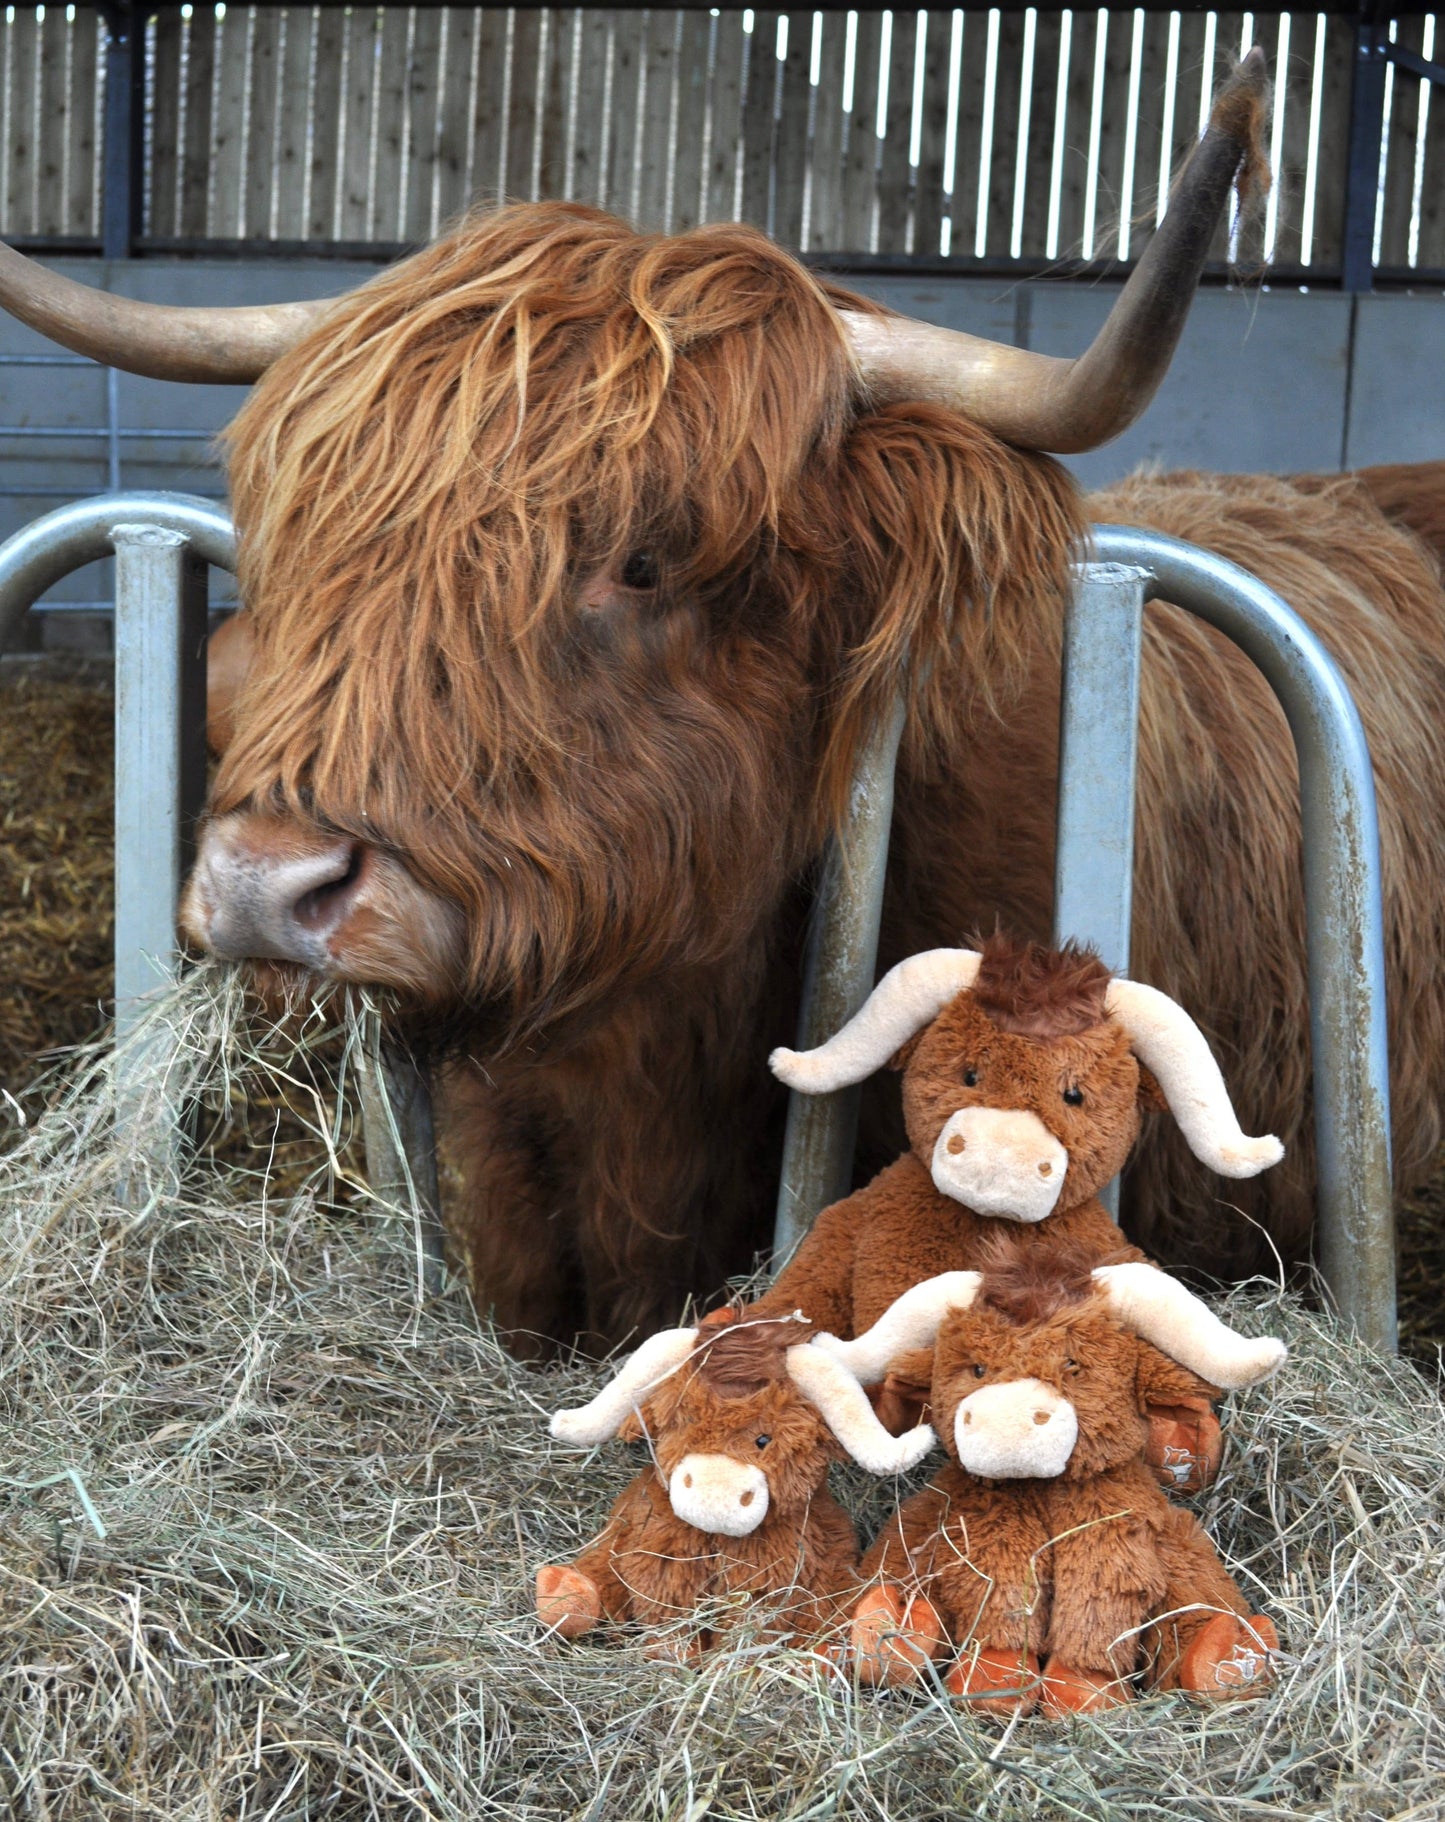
{"x":1161,"y":1310}
{"x":843,"y":1405}
{"x":1168,"y":1042}
{"x":1039,"y":401}
{"x":908,"y":997}
{"x":658,"y":1357}
{"x":911,"y":1321}
{"x":224,"y":345}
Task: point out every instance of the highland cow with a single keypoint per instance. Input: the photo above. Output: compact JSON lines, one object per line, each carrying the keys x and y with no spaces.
{"x":578,"y":562}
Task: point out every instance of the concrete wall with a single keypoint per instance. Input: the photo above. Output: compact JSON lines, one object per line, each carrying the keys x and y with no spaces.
{"x":1271,"y":380}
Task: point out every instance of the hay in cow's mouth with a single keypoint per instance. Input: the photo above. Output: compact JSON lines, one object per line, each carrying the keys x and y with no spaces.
{"x":271,"y":1526}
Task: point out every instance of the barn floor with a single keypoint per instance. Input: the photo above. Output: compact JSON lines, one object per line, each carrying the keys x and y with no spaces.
{"x":268,"y":1528}
{"x":55,"y":930}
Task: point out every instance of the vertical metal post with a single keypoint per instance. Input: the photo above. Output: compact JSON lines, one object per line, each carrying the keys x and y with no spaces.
{"x":1098,"y":749}
{"x":841,"y":966}
{"x":123,"y":148}
{"x":1362,"y":170}
{"x":160,"y":751}
{"x":396,"y":1117}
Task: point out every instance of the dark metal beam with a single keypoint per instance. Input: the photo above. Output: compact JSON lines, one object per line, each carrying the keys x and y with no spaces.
{"x":123,"y":149}
{"x":1362,"y":170}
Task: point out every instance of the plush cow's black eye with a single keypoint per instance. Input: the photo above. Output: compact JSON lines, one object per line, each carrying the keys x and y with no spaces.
{"x":970,"y":1078}
{"x":1074,"y":1096}
{"x":639,"y":571}
{"x":979,"y":1370}
{"x":763,"y":1441}
{"x":1071,"y":1366}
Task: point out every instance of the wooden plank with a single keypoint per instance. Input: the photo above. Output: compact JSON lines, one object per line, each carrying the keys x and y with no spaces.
{"x":825,"y":222}
{"x":193,"y":206}
{"x":1007,"y":99}
{"x":968,"y":145}
{"x":1193,"y":87}
{"x":20,"y":174}
{"x":228,"y":214}
{"x":353,"y":217}
{"x":688,"y":200}
{"x":1294,"y":84}
{"x":895,"y":173}
{"x":1043,"y":124}
{"x":790,"y":150}
{"x":1076,"y":126}
{"x":1400,"y":149}
{"x":326,"y":101}
{"x":1432,"y":190}
{"x":1109,"y":190}
{"x":730,"y":50}
{"x":759,"y":119}
{"x":933,"y":133}
{"x":454,"y":132}
{"x":591,"y":130}
{"x":860,"y":154}
{"x":293,"y":122}
{"x":54,"y":121}
{"x":387,"y":201}
{"x":520,"y":141}
{"x":552,"y":100}
{"x":655,"y":99}
{"x":423,"y":89}
{"x":1334,"y":145}
{"x":1143,"y":200}
{"x":489,"y":114}
{"x":261,"y":138}
{"x":82,"y":210}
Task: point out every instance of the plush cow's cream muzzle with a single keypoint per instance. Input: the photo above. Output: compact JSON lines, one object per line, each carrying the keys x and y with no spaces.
{"x":1000,"y":1161}
{"x":716,"y":1493}
{"x":1023,"y":1430}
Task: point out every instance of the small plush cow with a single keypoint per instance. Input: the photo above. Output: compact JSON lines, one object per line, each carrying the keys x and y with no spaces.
{"x":1025,"y":1069}
{"x":1044,"y":1553}
{"x":742,"y":1419}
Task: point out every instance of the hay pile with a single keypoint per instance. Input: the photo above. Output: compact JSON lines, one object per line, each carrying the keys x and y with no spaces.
{"x":270,"y":1527}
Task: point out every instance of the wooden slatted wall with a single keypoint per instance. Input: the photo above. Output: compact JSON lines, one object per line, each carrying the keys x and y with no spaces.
{"x":963,"y":134}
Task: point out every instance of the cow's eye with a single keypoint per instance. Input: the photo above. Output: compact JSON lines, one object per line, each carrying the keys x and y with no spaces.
{"x":970,"y":1078}
{"x":639,"y":571}
{"x":1071,"y":1366}
{"x":979,"y":1369}
{"x":1074,"y":1096}
{"x":763,"y":1441}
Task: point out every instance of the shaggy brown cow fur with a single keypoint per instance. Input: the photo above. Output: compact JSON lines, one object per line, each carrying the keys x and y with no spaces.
{"x":578,"y":563}
{"x":1085,"y":1577}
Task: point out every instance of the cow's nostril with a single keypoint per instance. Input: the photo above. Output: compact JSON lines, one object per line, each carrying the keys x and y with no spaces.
{"x":968,"y":1417}
{"x":1041,"y":1416}
{"x":1046,"y":1169}
{"x":687,"y":1480}
{"x":746,"y":1499}
{"x":955,"y":1144}
{"x":320,"y":907}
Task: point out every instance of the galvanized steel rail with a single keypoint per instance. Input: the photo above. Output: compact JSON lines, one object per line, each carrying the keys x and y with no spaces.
{"x":1093,"y":885}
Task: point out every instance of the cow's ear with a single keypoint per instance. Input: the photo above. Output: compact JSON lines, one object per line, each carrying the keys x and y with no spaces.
{"x":228,"y":662}
{"x":957,"y":547}
{"x":903,"y":1055}
{"x":1152,"y":1098}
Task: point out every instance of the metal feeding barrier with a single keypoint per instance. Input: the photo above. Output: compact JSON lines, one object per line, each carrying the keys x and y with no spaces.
{"x":162,"y":543}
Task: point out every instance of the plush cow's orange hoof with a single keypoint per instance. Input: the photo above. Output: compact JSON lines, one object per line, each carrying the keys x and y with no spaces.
{"x":892,"y":1638}
{"x":1070,"y":1691}
{"x":1183,"y":1446}
{"x":1230,"y":1657}
{"x":1001,"y":1680}
{"x":569,"y":1603}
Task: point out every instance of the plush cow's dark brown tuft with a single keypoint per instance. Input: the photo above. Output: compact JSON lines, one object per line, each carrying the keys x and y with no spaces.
{"x":1038,"y":991}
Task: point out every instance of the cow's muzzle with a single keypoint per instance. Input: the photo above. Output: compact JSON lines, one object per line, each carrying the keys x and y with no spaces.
{"x":716,"y":1493}
{"x":1000,"y":1161}
{"x":1021,"y":1430}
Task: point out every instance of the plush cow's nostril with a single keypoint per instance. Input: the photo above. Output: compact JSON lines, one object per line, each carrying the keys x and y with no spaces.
{"x":746,"y":1499}
{"x":1041,"y":1416}
{"x":955,"y":1144}
{"x":321,"y":906}
{"x":687,"y":1480}
{"x":1046,"y":1169}
{"x":968,"y":1417}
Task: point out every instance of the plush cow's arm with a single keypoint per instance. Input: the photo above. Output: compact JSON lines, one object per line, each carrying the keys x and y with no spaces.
{"x":818,"y":1279}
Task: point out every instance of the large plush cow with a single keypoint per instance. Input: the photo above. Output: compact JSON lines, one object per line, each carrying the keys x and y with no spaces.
{"x":577,"y":564}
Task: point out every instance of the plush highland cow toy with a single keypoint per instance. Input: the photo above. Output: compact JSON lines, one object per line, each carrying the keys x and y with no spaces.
{"x":742,"y":1418}
{"x":1024,"y":1072}
{"x":1044,"y":1555}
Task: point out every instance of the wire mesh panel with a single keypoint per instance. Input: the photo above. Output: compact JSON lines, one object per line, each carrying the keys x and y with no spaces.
{"x":1013,"y":136}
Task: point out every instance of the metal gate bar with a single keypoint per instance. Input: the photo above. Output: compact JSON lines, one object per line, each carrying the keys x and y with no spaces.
{"x":1093,"y":883}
